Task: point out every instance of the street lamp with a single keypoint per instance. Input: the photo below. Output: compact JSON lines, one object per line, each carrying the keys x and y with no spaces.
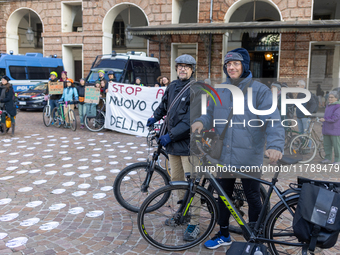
{"x":128,"y":34}
{"x":29,"y":32}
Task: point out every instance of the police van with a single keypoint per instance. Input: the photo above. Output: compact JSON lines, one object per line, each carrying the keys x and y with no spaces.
{"x":28,"y":70}
{"x":126,"y":66}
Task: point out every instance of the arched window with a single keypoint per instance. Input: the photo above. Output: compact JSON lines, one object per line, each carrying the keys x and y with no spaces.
{"x":185,"y":11}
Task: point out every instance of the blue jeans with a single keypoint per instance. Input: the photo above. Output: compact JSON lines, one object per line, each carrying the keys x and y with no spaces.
{"x":82,"y":112}
{"x":303,"y":124}
{"x":53,"y":104}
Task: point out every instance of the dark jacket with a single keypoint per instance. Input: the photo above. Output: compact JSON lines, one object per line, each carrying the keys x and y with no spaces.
{"x":107,"y":83}
{"x":243,"y":144}
{"x":331,"y":126}
{"x":299,"y":113}
{"x":81,"y":92}
{"x":8,"y":101}
{"x":178,"y":119}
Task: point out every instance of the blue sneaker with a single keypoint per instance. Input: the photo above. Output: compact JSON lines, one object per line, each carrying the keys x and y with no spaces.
{"x":217,"y":241}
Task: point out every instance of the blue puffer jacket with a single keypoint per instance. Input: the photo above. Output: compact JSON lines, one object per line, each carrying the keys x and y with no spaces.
{"x":243,"y":145}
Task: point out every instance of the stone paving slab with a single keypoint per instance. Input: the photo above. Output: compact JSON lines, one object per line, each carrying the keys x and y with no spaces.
{"x":42,"y":176}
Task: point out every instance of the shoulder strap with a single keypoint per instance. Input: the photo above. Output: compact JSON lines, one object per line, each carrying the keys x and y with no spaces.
{"x":163,"y":127}
{"x":244,"y":91}
{"x":180,"y":94}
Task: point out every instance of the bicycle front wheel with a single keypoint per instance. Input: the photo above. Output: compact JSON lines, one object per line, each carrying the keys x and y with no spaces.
{"x":57,"y":118}
{"x":163,"y":161}
{"x":162,"y":227}
{"x":72,"y":119}
{"x":127,"y":187}
{"x":304,"y":146}
{"x":96,"y":123}
{"x":47,"y":116}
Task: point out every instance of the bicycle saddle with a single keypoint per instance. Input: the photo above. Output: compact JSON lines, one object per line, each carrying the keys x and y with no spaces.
{"x":289,"y":160}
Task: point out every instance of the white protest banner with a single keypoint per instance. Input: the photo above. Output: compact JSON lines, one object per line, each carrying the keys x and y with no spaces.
{"x":128,"y":107}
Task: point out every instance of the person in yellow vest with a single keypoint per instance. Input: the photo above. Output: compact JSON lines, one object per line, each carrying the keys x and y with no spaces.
{"x":138,"y":82}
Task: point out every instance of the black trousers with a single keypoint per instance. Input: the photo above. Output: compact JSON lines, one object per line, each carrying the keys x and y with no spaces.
{"x":252,"y":192}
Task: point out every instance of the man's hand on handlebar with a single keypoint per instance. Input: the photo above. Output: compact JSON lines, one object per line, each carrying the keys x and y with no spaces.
{"x":273,"y":155}
{"x":197,"y":127}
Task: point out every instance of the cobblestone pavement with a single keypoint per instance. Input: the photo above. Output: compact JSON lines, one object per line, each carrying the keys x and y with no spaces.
{"x":56,"y":192}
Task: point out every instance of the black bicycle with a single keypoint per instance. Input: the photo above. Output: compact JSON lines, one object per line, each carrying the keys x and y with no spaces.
{"x":135,"y":182}
{"x":198,"y":204}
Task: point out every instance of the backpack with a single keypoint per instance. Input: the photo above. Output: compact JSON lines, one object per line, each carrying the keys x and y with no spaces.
{"x":317,"y":216}
{"x":313,"y":104}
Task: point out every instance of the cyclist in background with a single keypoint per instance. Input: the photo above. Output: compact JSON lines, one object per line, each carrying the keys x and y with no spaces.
{"x":70,"y":94}
{"x":53,"y":98}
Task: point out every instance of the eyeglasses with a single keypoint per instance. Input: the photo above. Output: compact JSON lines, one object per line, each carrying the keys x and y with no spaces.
{"x":185,"y":67}
{"x":234,"y":64}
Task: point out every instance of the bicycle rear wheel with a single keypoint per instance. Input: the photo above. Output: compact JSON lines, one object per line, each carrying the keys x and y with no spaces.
{"x":128,"y":184}
{"x":73,"y":120}
{"x":47,"y":116}
{"x":304,"y":146}
{"x":279,"y":228}
{"x":96,"y":123}
{"x":57,"y":118}
{"x":168,"y":236}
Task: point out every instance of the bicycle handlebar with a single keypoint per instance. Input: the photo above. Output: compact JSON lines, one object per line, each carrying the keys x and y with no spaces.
{"x":68,"y":102}
{"x":285,"y":160}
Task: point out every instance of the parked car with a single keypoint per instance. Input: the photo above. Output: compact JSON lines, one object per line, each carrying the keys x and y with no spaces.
{"x":126,"y":66}
{"x":33,"y":98}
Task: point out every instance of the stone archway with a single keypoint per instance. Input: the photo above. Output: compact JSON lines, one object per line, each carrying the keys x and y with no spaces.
{"x":121,"y":11}
{"x":243,"y":11}
{"x":16,"y":27}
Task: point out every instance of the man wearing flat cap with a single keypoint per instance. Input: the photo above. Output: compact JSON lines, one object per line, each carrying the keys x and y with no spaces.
{"x":243,"y":144}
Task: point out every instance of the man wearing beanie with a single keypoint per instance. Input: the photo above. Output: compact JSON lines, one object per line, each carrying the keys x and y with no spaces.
{"x":243,"y":143}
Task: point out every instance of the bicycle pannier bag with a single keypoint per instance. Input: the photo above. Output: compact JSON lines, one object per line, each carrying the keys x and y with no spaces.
{"x":91,"y":110}
{"x":243,"y":248}
{"x":317,"y":217}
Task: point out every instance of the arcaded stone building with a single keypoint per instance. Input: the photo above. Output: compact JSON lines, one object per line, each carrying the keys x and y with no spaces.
{"x":287,"y":39}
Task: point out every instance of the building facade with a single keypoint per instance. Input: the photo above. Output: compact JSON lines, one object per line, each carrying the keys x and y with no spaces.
{"x":78,"y":31}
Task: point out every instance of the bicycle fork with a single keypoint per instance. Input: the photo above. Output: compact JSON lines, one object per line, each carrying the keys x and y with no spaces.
{"x":182,"y":215}
{"x":149,"y":171}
